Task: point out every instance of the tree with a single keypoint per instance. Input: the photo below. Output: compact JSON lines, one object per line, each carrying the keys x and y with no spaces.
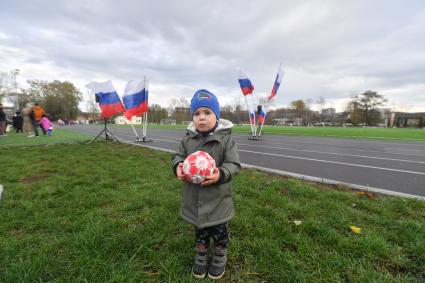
{"x":354,"y":112}
{"x":299,"y":106}
{"x":322,"y":103}
{"x":60,"y":99}
{"x":156,"y":113}
{"x":3,"y":85}
{"x":177,"y":102}
{"x":227,"y":113}
{"x":237,"y":106}
{"x":6,"y":88}
{"x":368,"y":101}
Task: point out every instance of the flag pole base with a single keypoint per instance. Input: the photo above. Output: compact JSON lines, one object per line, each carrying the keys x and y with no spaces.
{"x":108,"y":134}
{"x":254,"y":138}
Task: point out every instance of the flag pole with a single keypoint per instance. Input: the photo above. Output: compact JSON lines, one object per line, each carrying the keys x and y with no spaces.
{"x":249,"y":115}
{"x":145,"y":120}
{"x":145,"y":115}
{"x":252,"y":102}
{"x":134,"y":130}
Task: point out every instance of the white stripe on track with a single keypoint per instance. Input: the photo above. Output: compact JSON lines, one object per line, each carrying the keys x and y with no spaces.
{"x":334,"y":162}
{"x":304,"y":177}
{"x":333,"y":153}
{"x":344,"y":148}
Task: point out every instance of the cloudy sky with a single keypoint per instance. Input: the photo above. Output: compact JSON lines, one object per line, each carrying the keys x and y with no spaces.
{"x":333,"y":49}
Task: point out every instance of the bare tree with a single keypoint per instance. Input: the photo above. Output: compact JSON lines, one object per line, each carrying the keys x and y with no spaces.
{"x":321,"y":102}
{"x":5,"y":86}
{"x":237,"y":108}
{"x":308,"y":103}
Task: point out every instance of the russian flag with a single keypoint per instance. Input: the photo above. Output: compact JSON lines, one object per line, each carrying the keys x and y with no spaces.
{"x":109,"y":101}
{"x":277,"y":82}
{"x":135,"y":98}
{"x":262,"y":116}
{"x":246,"y":85}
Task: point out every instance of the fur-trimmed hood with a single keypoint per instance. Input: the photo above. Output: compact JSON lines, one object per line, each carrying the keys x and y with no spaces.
{"x":223,"y":125}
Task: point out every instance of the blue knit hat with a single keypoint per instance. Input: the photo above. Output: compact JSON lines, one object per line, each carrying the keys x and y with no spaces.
{"x":204,"y":98}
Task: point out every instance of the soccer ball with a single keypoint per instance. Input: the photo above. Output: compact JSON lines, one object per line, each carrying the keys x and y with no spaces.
{"x":198,"y":166}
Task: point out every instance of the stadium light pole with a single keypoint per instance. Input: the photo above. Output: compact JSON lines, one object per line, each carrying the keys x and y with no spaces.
{"x":15,"y":73}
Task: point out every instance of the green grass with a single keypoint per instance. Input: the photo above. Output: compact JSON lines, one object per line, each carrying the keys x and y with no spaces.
{"x":414,"y":134}
{"x":60,"y":135}
{"x":108,"y":212}
{"x":349,"y":132}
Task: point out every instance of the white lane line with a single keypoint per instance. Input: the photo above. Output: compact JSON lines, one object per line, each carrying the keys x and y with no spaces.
{"x":334,"y":162}
{"x":304,"y":177}
{"x":333,"y":182}
{"x":403,"y":149}
{"x":332,"y":153}
{"x":344,"y":148}
{"x":320,"y":160}
{"x":313,"y":151}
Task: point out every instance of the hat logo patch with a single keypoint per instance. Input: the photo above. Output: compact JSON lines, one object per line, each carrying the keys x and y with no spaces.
{"x":203,"y":96}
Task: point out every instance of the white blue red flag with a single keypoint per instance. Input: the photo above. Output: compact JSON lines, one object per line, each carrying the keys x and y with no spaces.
{"x":109,"y":102}
{"x":135,"y":98}
{"x":246,"y":85}
{"x":277,"y":82}
{"x":262,"y":116}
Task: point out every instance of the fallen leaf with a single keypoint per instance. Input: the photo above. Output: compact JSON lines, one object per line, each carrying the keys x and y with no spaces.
{"x":355,"y":229}
{"x":370,"y":195}
{"x":297,"y":222}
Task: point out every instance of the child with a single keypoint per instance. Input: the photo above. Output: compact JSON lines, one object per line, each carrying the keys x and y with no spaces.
{"x":46,"y":125}
{"x":208,"y":206}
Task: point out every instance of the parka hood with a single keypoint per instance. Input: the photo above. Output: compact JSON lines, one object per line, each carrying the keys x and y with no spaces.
{"x":223,"y":125}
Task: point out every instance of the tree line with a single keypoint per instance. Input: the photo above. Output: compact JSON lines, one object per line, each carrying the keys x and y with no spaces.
{"x":61,"y":99}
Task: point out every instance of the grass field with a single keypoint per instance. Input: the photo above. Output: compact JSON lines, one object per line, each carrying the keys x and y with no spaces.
{"x":60,"y":135}
{"x":108,"y":212}
{"x":413,"y":134}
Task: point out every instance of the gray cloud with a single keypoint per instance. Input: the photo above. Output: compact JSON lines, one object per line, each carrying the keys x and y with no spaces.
{"x":329,"y":48}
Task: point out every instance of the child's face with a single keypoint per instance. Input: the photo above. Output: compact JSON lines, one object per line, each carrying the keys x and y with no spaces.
{"x":204,"y":119}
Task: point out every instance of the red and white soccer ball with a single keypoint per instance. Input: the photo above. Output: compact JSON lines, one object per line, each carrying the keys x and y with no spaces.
{"x":198,"y":166}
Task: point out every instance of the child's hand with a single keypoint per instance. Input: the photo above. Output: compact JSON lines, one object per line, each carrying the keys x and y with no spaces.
{"x":180,"y":171}
{"x":212,"y":179}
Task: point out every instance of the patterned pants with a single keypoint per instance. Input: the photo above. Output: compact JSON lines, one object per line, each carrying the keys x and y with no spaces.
{"x":218,"y":233}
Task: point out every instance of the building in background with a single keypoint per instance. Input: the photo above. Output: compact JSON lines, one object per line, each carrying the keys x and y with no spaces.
{"x":404,"y":120}
{"x":121,"y":120}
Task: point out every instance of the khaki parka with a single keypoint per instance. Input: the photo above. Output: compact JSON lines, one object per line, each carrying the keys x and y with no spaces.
{"x":211,"y":205}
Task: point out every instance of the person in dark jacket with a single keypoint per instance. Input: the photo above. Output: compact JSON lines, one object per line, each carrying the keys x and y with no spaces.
{"x":18,"y":122}
{"x":2,"y":121}
{"x":209,"y":205}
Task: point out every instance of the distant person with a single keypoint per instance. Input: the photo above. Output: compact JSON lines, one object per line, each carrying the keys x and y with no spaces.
{"x":2,"y":121}
{"x":18,"y":121}
{"x":61,"y":123}
{"x":209,"y":205}
{"x":36,"y":115}
{"x":28,"y":126}
{"x":46,"y":125}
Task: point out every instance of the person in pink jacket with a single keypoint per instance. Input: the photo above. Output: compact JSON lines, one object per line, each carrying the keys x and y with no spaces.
{"x":46,"y":125}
